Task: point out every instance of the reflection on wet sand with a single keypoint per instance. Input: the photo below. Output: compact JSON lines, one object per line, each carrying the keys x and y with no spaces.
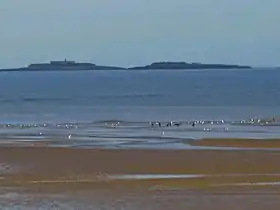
{"x":239,"y":143}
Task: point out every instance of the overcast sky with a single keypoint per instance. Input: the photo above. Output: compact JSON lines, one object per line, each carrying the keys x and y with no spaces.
{"x":136,"y":32}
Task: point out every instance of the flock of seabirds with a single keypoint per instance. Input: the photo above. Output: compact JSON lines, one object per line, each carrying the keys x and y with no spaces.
{"x":272,"y":121}
{"x":169,"y":124}
{"x":252,"y":121}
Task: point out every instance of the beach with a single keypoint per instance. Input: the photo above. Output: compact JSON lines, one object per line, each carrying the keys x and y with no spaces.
{"x":92,"y":140}
{"x":137,"y":178}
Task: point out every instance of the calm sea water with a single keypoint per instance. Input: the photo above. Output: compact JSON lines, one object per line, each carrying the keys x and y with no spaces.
{"x":114,"y":108}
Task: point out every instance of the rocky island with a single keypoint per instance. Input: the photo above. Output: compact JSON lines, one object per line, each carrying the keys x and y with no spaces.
{"x":184,"y":65}
{"x":73,"y":66}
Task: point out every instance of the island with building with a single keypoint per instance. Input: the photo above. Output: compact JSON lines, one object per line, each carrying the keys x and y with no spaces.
{"x":63,"y":66}
{"x":69,"y":65}
{"x":66,"y":65}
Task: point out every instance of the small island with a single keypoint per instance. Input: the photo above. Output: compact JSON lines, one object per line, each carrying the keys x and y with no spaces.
{"x":184,"y":65}
{"x":63,"y":66}
{"x":70,"y":65}
{"x":74,"y":66}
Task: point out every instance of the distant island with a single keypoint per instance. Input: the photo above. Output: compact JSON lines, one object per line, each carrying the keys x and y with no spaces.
{"x":63,"y":66}
{"x":184,"y":65}
{"x":73,"y":66}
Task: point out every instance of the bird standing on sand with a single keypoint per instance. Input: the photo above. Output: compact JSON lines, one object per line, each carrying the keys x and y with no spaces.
{"x":169,"y":124}
{"x":156,"y":123}
{"x":175,"y":124}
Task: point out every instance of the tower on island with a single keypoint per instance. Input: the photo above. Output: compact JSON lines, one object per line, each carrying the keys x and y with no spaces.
{"x":65,"y":61}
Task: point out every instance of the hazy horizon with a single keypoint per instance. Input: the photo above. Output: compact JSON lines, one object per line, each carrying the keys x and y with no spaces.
{"x":129,"y":32}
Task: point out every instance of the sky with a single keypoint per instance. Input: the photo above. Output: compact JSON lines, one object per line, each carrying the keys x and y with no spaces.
{"x":137,"y":32}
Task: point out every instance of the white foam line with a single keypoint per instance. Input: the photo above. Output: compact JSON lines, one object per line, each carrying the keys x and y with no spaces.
{"x":156,"y":176}
{"x":91,"y":181}
{"x":120,"y":177}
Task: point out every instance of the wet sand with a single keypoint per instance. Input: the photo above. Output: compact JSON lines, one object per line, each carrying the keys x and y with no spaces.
{"x":225,"y":179}
{"x":240,"y":143}
{"x":152,"y":200}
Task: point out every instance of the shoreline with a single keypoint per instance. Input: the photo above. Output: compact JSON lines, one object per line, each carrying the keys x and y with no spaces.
{"x":262,"y":143}
{"x":219,"y":143}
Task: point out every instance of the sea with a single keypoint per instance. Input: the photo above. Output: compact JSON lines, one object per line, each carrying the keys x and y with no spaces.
{"x":132,"y":109}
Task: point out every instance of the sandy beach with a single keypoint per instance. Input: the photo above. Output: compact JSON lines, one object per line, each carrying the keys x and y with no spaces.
{"x":144,"y":179}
